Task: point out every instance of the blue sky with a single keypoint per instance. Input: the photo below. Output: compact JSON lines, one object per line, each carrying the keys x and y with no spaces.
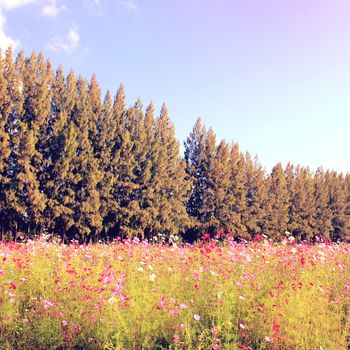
{"x":272,"y":75}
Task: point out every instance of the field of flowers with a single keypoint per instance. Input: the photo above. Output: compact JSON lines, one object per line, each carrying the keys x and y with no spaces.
{"x":135,"y":295}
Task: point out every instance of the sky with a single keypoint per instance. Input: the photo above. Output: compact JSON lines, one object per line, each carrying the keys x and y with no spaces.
{"x":272,"y":75}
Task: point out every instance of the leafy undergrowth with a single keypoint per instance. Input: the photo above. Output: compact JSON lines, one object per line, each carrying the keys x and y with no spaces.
{"x":136,"y":295}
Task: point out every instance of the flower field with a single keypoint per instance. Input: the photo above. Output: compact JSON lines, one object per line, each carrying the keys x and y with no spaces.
{"x":135,"y":295}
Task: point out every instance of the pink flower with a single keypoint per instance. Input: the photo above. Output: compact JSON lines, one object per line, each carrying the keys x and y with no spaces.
{"x":217,"y":347}
{"x":276,"y":327}
{"x":267,"y":339}
{"x":176,"y":338}
{"x":214,"y":330}
{"x":242,"y":326}
{"x":174,"y":312}
{"x":196,"y":317}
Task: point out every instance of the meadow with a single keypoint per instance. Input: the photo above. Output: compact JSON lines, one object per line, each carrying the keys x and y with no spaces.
{"x":212,"y":295}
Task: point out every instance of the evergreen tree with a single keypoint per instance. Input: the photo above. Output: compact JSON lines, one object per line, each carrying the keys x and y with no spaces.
{"x":35,"y":77}
{"x":276,"y":207}
{"x":238,"y":192}
{"x":337,"y":202}
{"x":302,"y":205}
{"x":62,"y":146}
{"x":206,"y":211}
{"x":194,"y":155}
{"x":8,"y":101}
{"x":88,"y":220}
{"x":255,"y":188}
{"x":323,"y":217}
{"x":171,"y":187}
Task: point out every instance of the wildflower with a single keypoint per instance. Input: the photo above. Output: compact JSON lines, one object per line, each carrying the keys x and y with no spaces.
{"x":112,"y":300}
{"x":196,"y":317}
{"x":183,"y":326}
{"x":214,"y":330}
{"x":48,"y":304}
{"x":152,"y":277}
{"x":123,"y":297}
{"x":242,"y":326}
{"x":176,"y":338}
{"x":183,"y":306}
{"x":217,"y":347}
{"x":267,"y":339}
{"x":174,"y":312}
{"x":276,"y":327}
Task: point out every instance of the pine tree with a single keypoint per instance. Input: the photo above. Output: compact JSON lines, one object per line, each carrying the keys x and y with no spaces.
{"x":61,"y":149}
{"x":35,"y":76}
{"x":7,"y":106}
{"x":323,"y":215}
{"x":194,"y":153}
{"x":337,"y":202}
{"x":221,"y":175}
{"x":302,"y":205}
{"x":276,"y":204}
{"x":87,"y":212}
{"x":10,"y":112}
{"x":106,"y":126}
{"x":172,"y":190}
{"x":238,"y":192}
{"x":206,"y":212}
{"x":255,"y":187}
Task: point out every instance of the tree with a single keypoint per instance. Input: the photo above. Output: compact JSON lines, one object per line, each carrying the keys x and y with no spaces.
{"x":237,"y":193}
{"x":323,"y":215}
{"x":337,"y":202}
{"x":276,"y":204}
{"x":302,"y":205}
{"x":194,"y":155}
{"x":61,"y":148}
{"x":88,"y":219}
{"x":171,"y":187}
{"x":255,"y":187}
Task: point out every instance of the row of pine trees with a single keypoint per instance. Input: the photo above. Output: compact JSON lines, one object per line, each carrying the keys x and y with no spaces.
{"x":83,"y":167}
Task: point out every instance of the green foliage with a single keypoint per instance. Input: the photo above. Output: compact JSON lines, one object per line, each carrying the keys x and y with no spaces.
{"x":84,"y":168}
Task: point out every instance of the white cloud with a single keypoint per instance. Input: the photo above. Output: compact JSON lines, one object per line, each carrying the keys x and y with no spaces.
{"x":12,"y":4}
{"x":5,"y":40}
{"x":6,"y":5}
{"x":66,"y":44}
{"x":129,"y":5}
{"x":52,"y":9}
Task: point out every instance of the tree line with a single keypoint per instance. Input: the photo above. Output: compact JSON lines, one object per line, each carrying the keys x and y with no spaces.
{"x":81,"y":166}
